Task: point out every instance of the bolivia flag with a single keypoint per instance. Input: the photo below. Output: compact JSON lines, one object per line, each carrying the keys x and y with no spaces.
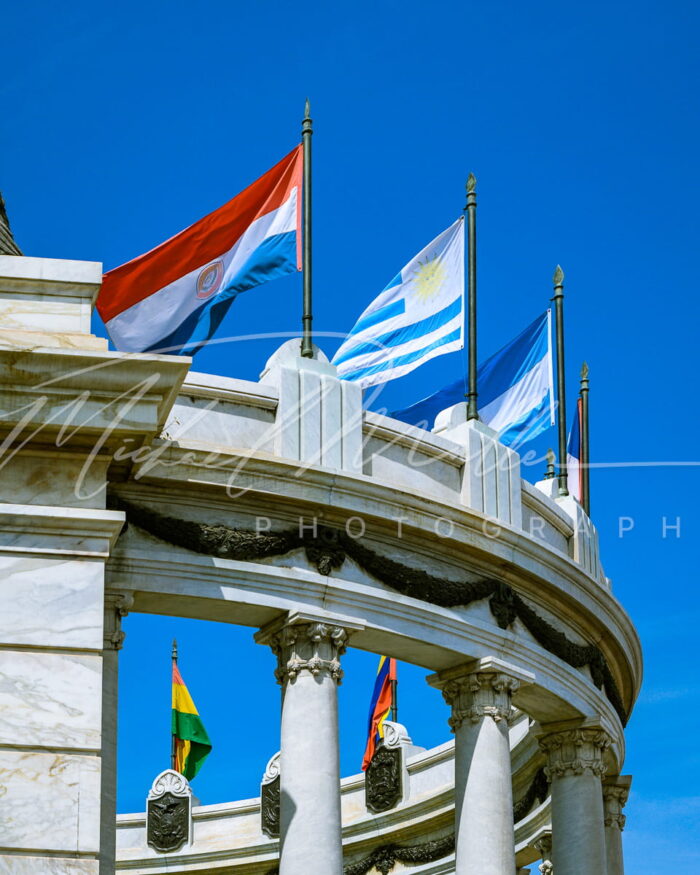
{"x":192,"y":745}
{"x":380,"y":707}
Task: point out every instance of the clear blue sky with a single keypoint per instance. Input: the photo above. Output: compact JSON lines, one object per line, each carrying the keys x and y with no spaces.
{"x":122,"y":124}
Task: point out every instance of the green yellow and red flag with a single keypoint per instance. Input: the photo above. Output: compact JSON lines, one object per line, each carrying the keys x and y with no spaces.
{"x":191,"y":742}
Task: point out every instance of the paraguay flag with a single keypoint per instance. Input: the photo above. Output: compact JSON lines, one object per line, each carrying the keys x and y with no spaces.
{"x":173,"y":298}
{"x":192,"y":745}
{"x":573,"y":454}
{"x":380,"y":706}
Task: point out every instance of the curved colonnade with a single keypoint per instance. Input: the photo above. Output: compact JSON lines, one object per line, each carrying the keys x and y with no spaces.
{"x":282,"y":506}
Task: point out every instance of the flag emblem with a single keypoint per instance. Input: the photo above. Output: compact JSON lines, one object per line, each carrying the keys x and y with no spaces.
{"x":209,"y":280}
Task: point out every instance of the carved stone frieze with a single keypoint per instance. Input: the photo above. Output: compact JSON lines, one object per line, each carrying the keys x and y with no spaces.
{"x":384,"y":779}
{"x":270,"y":798}
{"x":328,"y":548}
{"x":169,"y":812}
{"x":479,"y":694}
{"x":575,"y":752}
{"x":315,"y":647}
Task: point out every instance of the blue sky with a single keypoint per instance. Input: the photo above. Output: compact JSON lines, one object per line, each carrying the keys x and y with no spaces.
{"x":123,"y":124}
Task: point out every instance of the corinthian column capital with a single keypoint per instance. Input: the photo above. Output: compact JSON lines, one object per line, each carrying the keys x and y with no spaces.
{"x":305,"y":643}
{"x":543,"y":844}
{"x":575,"y":751}
{"x":479,"y":689}
{"x":615,"y":794}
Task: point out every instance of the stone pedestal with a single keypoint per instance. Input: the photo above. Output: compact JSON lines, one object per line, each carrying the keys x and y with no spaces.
{"x":480,"y":697}
{"x":308,"y":650}
{"x":575,"y":767}
{"x":491,"y":476}
{"x":615,"y":794}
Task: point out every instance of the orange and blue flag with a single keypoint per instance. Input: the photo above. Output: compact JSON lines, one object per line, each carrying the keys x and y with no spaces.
{"x":380,"y":706}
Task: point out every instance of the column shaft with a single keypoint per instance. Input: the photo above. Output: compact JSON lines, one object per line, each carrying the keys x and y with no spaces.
{"x":575,"y":767}
{"x":480,"y":697}
{"x":309,"y":670}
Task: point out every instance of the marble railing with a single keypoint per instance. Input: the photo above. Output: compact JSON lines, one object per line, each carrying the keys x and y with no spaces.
{"x":228,"y":835}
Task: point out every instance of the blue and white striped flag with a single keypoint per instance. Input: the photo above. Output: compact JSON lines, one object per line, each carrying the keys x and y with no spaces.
{"x":418,"y":316}
{"x":515,"y":386}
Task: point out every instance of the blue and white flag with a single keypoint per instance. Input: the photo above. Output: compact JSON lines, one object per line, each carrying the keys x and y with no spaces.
{"x":515,"y":386}
{"x":573,"y":455}
{"x":418,"y":316}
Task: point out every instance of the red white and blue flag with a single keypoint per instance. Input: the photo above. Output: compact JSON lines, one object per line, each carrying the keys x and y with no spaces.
{"x":380,"y":706}
{"x":573,"y":454}
{"x":173,"y":298}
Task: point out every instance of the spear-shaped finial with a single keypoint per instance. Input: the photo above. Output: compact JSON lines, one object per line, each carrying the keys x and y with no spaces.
{"x":471,"y":183}
{"x":558,"y":278}
{"x":307,"y":108}
{"x":174,"y":653}
{"x":584,"y":372}
{"x":550,"y":473}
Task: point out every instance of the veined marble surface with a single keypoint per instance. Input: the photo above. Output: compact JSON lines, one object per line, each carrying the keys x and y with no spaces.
{"x":47,"y":602}
{"x":50,"y":699}
{"x":50,"y":801}
{"x":23,"y":865}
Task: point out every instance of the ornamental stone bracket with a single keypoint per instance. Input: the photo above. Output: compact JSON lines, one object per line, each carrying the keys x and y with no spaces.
{"x":307,"y":642}
{"x":615,"y":795}
{"x":117,"y":606}
{"x":169,"y":812}
{"x":481,"y":688}
{"x":578,"y":750}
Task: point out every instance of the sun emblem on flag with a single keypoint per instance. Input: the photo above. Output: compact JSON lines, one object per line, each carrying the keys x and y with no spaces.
{"x":209,"y":279}
{"x":429,"y":276}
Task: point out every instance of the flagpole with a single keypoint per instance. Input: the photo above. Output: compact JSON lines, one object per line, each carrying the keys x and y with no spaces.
{"x":585,"y":445}
{"x":470,"y":210}
{"x":558,"y":300}
{"x":307,"y":348}
{"x":394,"y":700}
{"x":173,"y":743}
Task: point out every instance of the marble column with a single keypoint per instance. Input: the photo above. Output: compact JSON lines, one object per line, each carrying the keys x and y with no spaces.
{"x":308,"y":651}
{"x":479,"y":694}
{"x":575,"y":768}
{"x":615,"y":793}
{"x":117,"y":606}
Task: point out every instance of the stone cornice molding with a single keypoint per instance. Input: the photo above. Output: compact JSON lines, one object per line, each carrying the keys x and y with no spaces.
{"x":615,"y":795}
{"x":303,"y":643}
{"x":577,"y":751}
{"x":480,"y":689}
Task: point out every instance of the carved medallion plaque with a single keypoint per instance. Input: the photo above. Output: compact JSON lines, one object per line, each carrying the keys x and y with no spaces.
{"x":270,"y":799}
{"x":168,"y":812}
{"x":384,"y":779}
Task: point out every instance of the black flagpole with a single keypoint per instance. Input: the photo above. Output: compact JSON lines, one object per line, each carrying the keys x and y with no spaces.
{"x":470,"y":209}
{"x":558,"y":299}
{"x":307,"y":348}
{"x":173,"y":743}
{"x":585,"y":443}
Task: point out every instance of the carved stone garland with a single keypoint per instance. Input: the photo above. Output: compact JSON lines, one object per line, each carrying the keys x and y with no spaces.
{"x":328,"y":549}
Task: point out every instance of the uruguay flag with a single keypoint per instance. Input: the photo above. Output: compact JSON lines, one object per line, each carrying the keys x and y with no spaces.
{"x":418,"y":316}
{"x":573,"y":455}
{"x":515,"y":386}
{"x":173,"y":298}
